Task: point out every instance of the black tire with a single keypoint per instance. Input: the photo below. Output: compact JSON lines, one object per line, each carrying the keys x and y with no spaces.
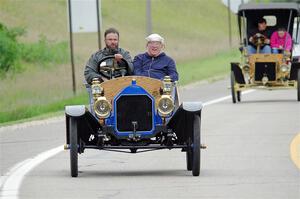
{"x":233,"y":92}
{"x":189,"y":156}
{"x":238,"y":95}
{"x":133,"y":150}
{"x":298,"y":85}
{"x":73,"y":147}
{"x":196,"y":146}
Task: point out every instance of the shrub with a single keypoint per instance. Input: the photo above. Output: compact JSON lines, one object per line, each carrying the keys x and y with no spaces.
{"x":44,"y":51}
{"x":9,"y":49}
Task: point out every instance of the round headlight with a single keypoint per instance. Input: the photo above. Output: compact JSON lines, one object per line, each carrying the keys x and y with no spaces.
{"x":246,"y":68}
{"x":102,"y":107}
{"x":96,"y":90}
{"x":284,"y":68}
{"x":165,"y":105}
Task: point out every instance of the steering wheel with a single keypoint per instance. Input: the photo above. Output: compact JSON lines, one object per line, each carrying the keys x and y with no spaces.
{"x":115,"y":69}
{"x":258,"y":39}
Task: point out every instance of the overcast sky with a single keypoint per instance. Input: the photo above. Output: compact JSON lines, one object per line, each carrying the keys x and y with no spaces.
{"x":234,"y":4}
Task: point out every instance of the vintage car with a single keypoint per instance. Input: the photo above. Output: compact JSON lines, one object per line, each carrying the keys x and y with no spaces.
{"x":265,"y":71}
{"x":133,"y":114}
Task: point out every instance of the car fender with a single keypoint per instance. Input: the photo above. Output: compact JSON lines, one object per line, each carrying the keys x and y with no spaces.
{"x":182,"y":120}
{"x":192,"y":106}
{"x":238,"y":73}
{"x":75,"y":110}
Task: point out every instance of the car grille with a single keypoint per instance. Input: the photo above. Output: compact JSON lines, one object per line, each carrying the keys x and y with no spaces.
{"x":265,"y":69}
{"x":136,"y":108}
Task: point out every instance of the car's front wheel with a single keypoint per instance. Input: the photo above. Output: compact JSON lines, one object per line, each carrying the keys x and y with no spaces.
{"x":189,"y":156}
{"x":196,"y":146}
{"x":73,"y":147}
{"x":193,"y":153}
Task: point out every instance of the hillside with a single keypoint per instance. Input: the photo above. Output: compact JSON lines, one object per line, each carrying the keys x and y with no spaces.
{"x":193,"y":29}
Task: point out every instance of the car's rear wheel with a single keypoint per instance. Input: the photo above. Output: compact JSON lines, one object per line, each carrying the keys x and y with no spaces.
{"x":196,"y":146}
{"x":298,"y":85}
{"x":239,"y":96}
{"x":233,"y":92}
{"x":73,"y":147}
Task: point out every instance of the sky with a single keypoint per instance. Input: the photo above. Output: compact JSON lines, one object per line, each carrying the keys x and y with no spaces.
{"x":234,"y":4}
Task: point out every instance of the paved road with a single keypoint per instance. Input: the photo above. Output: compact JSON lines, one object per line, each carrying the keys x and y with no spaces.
{"x":248,"y":155}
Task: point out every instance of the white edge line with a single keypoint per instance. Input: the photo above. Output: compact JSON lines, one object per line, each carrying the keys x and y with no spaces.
{"x":10,"y":188}
{"x":11,"y":181}
{"x":215,"y":101}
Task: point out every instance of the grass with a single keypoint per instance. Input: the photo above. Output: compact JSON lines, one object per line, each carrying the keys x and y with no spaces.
{"x":44,"y":52}
{"x":195,"y":32}
{"x":205,"y":68}
{"x":192,"y":28}
{"x":38,"y":110}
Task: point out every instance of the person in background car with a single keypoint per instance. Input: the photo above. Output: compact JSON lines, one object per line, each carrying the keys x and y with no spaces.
{"x":281,"y":41}
{"x":260,"y":31}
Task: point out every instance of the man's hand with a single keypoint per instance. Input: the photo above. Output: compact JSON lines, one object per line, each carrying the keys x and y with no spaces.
{"x":251,"y":39}
{"x":267,"y":41}
{"x":118,"y":57}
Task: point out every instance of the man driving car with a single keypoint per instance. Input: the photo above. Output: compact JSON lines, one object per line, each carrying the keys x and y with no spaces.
{"x":262,"y":33}
{"x":111,"y":39}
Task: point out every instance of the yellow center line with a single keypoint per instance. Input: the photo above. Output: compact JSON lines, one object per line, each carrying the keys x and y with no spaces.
{"x":295,"y":150}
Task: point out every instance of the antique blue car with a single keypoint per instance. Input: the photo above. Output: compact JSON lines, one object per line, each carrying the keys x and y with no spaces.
{"x":134,"y":114}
